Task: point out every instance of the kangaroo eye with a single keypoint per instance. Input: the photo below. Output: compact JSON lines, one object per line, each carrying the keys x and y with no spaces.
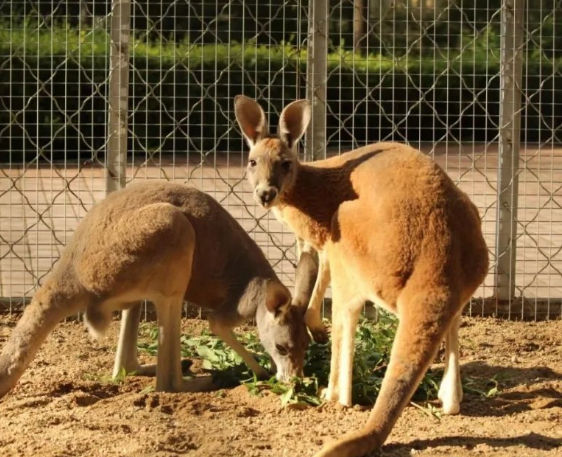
{"x":281,"y":349}
{"x":252,"y":163}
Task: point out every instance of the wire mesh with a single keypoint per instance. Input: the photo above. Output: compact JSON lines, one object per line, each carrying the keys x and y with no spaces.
{"x":430,"y":73}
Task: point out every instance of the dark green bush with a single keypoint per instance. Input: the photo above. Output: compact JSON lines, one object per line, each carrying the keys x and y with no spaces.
{"x":53,"y":92}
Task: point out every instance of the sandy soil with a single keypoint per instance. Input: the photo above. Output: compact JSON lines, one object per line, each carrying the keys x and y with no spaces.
{"x":62,"y":407}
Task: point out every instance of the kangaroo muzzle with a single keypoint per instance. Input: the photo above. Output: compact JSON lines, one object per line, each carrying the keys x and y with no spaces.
{"x":266,"y":196}
{"x":285,"y":375}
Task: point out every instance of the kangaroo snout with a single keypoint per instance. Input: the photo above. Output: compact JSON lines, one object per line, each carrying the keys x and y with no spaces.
{"x":285,"y":375}
{"x":265,"y":196}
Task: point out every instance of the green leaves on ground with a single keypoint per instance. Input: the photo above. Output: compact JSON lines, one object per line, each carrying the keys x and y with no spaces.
{"x":373,"y":342}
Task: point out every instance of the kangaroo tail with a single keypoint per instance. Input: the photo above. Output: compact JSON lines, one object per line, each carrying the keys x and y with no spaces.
{"x":37,"y":322}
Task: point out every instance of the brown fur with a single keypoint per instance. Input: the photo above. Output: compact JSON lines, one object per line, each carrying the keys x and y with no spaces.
{"x":162,"y":242}
{"x":305,"y":279}
{"x":390,"y":227}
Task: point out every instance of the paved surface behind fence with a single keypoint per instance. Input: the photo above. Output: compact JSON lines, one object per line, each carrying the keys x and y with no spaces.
{"x":40,"y":207}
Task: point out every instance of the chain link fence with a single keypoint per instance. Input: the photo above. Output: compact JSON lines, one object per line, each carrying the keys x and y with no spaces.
{"x":97,"y":95}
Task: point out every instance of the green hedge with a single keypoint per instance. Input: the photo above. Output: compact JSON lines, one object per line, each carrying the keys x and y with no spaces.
{"x":181,"y":95}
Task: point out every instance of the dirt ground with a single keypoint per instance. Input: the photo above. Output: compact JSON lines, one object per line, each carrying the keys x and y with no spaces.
{"x":62,"y":407}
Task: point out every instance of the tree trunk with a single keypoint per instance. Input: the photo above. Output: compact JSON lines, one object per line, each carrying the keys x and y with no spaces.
{"x":359,"y":26}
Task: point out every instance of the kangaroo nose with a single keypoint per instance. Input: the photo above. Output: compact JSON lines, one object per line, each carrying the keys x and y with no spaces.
{"x":268,"y":195}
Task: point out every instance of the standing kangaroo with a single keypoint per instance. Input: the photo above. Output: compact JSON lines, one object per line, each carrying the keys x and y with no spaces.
{"x":391,"y":227}
{"x":163,"y":242}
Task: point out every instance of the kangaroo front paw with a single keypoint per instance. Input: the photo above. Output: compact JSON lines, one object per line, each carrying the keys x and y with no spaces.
{"x":316,"y":327}
{"x":262,"y":373}
{"x":320,"y":335}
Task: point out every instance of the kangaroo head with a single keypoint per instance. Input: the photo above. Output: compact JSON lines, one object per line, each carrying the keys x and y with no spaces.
{"x":272,"y":162}
{"x":283,"y":332}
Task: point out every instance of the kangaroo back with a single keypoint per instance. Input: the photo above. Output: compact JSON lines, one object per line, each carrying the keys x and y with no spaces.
{"x":166,"y":243}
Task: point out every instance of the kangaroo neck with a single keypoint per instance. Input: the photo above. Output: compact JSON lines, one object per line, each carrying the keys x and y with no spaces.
{"x":309,"y":205}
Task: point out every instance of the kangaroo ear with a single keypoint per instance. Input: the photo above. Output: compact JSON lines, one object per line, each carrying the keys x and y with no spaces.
{"x":293,"y":122}
{"x":251,"y":119}
{"x":278,"y":298}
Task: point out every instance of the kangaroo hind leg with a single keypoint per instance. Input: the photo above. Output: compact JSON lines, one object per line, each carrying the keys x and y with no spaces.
{"x":168,"y":374}
{"x":348,"y":305}
{"x":97,"y":320}
{"x":169,"y":285}
{"x":126,"y":357}
{"x":450,"y":390}
{"x":424,"y":320}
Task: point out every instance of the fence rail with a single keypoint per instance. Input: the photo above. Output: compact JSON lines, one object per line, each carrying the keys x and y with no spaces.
{"x":96,"y":95}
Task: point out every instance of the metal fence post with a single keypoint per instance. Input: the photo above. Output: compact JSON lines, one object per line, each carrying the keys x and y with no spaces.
{"x":317,"y":66}
{"x":116,"y":159}
{"x":512,"y":17}
{"x":316,"y":82}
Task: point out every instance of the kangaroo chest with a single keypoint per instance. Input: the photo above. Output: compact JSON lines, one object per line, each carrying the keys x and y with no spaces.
{"x":316,"y":232}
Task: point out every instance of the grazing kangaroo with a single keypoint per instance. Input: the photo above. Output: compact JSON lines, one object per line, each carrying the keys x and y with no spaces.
{"x":163,"y":242}
{"x":391,"y":227}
